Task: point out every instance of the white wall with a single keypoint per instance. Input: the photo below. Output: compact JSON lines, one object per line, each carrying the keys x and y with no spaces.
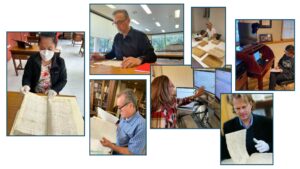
{"x":102,"y":27}
{"x":217,"y":18}
{"x":198,"y":21}
{"x":181,"y":76}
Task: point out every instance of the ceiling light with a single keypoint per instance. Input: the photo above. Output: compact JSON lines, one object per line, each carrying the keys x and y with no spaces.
{"x":147,"y":30}
{"x":177,"y":26}
{"x":111,"y":6}
{"x":163,"y":31}
{"x":134,"y":21}
{"x":146,"y":9}
{"x":177,"y":13}
{"x":157,"y":24}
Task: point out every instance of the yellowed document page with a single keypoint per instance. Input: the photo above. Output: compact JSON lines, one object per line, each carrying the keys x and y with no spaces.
{"x":99,"y":129}
{"x":236,"y":145}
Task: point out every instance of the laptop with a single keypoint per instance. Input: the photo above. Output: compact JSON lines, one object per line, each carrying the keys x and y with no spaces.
{"x":258,"y":59}
{"x":182,"y":92}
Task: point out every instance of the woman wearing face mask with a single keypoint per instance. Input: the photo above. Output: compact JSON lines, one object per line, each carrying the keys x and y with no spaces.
{"x":45,"y":72}
{"x":164,"y":103}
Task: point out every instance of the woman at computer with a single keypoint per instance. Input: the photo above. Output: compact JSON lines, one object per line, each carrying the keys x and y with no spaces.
{"x":164,"y":103}
{"x":45,"y":72}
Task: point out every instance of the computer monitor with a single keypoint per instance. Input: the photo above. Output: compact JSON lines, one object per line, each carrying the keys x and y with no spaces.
{"x":182,"y":92}
{"x":223,"y":82}
{"x":206,"y":79}
{"x":256,"y":56}
{"x":247,"y":33}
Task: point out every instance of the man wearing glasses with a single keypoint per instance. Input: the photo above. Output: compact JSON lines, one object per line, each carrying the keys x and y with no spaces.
{"x":131,"y":132}
{"x":130,"y":45}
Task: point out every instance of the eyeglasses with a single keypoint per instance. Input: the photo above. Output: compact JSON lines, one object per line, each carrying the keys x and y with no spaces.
{"x":119,"y":22}
{"x":120,"y":108}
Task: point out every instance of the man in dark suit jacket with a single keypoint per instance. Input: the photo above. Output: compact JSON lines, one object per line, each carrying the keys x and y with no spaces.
{"x":259,"y":137}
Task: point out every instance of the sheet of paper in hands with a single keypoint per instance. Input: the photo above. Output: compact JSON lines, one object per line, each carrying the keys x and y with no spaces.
{"x":99,"y":129}
{"x":236,"y":145}
{"x":114,"y":63}
{"x":276,"y":70}
{"x":40,"y":116}
{"x":106,"y":116}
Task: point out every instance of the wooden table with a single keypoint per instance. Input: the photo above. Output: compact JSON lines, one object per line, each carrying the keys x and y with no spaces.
{"x":22,"y":54}
{"x":171,"y":55}
{"x":14,"y":101}
{"x":103,"y":69}
{"x":206,"y":48}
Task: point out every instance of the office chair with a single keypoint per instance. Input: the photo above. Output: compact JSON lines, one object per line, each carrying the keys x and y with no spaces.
{"x":200,"y":112}
{"x":286,"y":83}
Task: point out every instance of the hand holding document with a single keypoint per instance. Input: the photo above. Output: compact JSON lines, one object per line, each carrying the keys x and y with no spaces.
{"x":40,"y":116}
{"x":101,"y":129}
{"x":236,"y":145}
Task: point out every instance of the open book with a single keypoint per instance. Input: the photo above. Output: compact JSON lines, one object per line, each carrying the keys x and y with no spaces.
{"x":40,"y":116}
{"x":236,"y":145}
{"x":99,"y":129}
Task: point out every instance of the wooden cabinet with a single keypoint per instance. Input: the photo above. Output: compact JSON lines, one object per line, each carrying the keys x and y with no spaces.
{"x":242,"y":82}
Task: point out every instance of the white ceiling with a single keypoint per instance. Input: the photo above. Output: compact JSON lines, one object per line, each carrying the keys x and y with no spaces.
{"x":163,"y":13}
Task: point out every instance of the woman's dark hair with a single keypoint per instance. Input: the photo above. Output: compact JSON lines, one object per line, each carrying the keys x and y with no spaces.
{"x":48,"y":35}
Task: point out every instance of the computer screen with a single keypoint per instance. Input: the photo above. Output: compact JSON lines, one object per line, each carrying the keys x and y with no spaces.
{"x":246,"y":33}
{"x":184,"y":92}
{"x":257,"y":55}
{"x":206,"y":79}
{"x":223,"y":82}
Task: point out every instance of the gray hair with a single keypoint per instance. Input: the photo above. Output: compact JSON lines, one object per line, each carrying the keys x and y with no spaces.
{"x":130,"y":97}
{"x":123,"y":11}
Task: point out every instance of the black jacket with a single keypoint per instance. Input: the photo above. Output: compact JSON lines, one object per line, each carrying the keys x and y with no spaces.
{"x":287,"y":64}
{"x":261,"y":129}
{"x":32,"y":72}
{"x":135,"y":44}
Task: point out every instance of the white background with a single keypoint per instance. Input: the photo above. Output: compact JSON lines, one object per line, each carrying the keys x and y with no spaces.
{"x":165,"y":148}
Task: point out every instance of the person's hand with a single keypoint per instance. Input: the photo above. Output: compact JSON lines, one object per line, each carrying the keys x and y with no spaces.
{"x":97,"y":56}
{"x":105,"y":142}
{"x":278,"y":68}
{"x":261,"y":146}
{"x":25,"y":89}
{"x":130,"y":62}
{"x":199,"y":92}
{"x":51,"y":94}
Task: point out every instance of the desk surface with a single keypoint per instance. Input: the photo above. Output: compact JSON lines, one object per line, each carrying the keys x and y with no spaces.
{"x":14,"y":101}
{"x":103,"y":69}
{"x":175,"y":55}
{"x":206,"y":48}
{"x":32,"y":50}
